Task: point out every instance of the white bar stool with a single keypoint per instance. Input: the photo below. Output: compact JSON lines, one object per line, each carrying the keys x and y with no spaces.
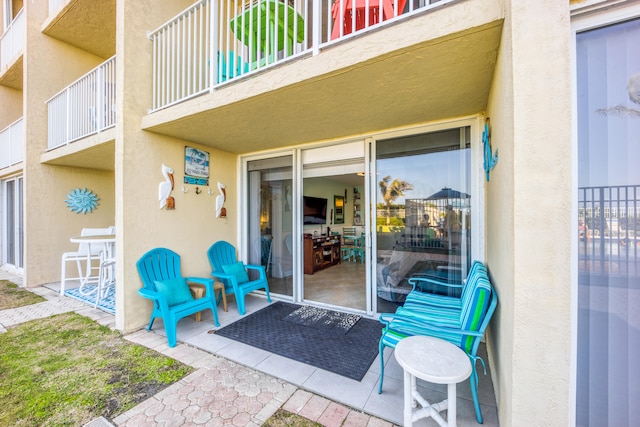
{"x":437,"y":361}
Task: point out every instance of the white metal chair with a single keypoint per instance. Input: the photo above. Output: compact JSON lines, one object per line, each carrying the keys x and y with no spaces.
{"x":90,"y":255}
{"x":106,"y":279}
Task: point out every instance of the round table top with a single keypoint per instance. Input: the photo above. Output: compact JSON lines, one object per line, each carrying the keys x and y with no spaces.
{"x":433,"y":359}
{"x":102,"y":238}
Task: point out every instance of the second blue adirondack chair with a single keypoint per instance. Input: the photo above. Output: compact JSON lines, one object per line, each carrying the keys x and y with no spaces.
{"x":234,"y":275}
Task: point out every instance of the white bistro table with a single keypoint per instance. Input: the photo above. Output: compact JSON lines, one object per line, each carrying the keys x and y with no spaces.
{"x":437,"y":361}
{"x":107,"y":241}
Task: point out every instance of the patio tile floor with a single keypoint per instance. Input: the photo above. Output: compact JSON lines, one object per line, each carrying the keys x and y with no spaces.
{"x":236,"y":384}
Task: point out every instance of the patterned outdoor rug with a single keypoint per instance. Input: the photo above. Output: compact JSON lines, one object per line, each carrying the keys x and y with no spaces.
{"x":344,"y":344}
{"x":107,"y":303}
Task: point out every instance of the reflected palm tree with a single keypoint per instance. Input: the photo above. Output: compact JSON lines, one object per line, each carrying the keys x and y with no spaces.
{"x":391,"y":190}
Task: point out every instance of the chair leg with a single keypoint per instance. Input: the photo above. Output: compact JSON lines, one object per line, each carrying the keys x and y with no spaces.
{"x":170,"y":329}
{"x":214,"y":311}
{"x":221,"y":296}
{"x":240,"y":302}
{"x":63,"y":269}
{"x":381,"y":352}
{"x":266,"y":289}
{"x":473,"y":382}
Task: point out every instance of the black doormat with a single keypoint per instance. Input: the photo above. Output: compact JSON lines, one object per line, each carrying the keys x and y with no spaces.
{"x":328,"y":347}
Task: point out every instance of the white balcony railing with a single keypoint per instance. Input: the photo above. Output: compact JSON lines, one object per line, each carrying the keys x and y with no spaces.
{"x":216,"y":41}
{"x":12,"y":41}
{"x":12,"y":144}
{"x":85,"y":107}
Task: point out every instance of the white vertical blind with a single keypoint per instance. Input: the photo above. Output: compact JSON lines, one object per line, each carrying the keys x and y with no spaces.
{"x":608,"y":84}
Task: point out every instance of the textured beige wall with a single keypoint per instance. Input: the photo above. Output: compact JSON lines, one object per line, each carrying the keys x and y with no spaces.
{"x":10,"y":106}
{"x":528,"y":215}
{"x":192,"y":227}
{"x":46,"y":186}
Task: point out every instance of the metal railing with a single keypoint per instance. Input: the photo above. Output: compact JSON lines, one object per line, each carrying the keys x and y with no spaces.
{"x":12,"y":144}
{"x":609,"y":229}
{"x":12,"y":41}
{"x":85,"y":107}
{"x":216,"y":41}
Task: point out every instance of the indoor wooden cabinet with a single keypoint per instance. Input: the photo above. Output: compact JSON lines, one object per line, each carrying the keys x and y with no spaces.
{"x":321,"y":252}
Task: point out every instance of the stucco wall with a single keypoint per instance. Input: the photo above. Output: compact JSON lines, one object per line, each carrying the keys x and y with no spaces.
{"x":10,"y":106}
{"x":528,"y":215}
{"x":192,"y":226}
{"x":49,"y":225}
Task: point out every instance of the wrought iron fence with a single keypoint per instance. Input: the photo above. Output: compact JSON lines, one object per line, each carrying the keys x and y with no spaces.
{"x":609,"y":229}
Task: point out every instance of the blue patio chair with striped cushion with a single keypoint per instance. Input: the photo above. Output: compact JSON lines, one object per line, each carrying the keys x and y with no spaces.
{"x":464,"y":326}
{"x":162,"y":283}
{"x":418,"y":298}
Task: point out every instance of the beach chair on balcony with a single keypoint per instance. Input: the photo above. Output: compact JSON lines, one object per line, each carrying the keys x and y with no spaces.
{"x":345,"y":12}
{"x":230,"y":66}
{"x":267,"y":28}
{"x":461,"y":321}
{"x":234,"y":274}
{"x":163,"y":284}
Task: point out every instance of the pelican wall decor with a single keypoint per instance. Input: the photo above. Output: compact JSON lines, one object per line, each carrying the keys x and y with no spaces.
{"x":165,"y":188}
{"x":221,"y":211}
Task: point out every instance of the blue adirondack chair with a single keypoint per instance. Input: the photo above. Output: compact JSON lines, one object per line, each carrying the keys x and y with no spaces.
{"x":234,"y":275}
{"x":163,"y":284}
{"x":461,"y":321}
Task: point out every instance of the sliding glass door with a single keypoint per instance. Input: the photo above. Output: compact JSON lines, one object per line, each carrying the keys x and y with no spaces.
{"x":334,"y":252}
{"x":608,"y":231}
{"x":12,"y":230}
{"x":423,"y":211}
{"x":270,"y":220}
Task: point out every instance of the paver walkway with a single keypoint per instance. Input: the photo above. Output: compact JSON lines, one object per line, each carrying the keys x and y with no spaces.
{"x":218,"y":393}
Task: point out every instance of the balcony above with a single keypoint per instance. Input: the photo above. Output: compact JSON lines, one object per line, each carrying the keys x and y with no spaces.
{"x":11,"y":48}
{"x":81,"y":121}
{"x":433,"y":63}
{"x":87,"y":24}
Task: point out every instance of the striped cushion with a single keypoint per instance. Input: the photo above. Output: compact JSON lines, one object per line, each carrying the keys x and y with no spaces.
{"x":421,"y":315}
{"x":417,"y":298}
{"x":440,"y":317}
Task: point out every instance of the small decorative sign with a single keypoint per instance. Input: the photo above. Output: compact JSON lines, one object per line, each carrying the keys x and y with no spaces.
{"x":82,"y":201}
{"x":196,"y":166}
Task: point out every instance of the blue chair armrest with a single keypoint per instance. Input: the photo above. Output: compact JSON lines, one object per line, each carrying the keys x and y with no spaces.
{"x":156,"y":297}
{"x":223,"y":276}
{"x":385,"y":318}
{"x":418,"y":279}
{"x":260,"y":268}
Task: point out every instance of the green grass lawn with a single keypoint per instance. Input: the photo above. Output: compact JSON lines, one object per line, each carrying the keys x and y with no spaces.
{"x":12,"y":296}
{"x":66,"y":370}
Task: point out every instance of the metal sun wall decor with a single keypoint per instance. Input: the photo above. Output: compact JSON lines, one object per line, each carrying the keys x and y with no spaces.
{"x":82,"y":201}
{"x":490,"y":159}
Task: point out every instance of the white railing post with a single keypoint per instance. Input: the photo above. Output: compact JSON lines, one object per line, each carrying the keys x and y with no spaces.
{"x":212,"y":37}
{"x":317,"y":27}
